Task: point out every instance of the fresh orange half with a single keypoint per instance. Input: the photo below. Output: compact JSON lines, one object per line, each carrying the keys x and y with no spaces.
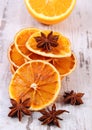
{"x":65,"y":65}
{"x":50,"y":11}
{"x":37,"y":80}
{"x":15,"y":58}
{"x":63,"y":49}
{"x":20,"y":41}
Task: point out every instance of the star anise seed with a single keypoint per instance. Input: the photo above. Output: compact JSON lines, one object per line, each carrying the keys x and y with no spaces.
{"x":50,"y":117}
{"x":73,"y":98}
{"x":19,"y":108}
{"x":47,"y":42}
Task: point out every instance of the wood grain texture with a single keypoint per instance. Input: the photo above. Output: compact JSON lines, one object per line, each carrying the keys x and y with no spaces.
{"x":78,"y":27}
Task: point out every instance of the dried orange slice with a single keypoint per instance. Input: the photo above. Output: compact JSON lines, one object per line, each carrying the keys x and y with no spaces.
{"x":37,"y":80}
{"x":20,"y":41}
{"x":50,"y":11}
{"x":49,"y":44}
{"x":65,"y":65}
{"x":15,"y":58}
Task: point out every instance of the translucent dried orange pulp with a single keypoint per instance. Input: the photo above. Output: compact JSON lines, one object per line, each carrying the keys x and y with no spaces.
{"x":50,"y":11}
{"x":15,"y":58}
{"x":37,"y":80}
{"x":63,"y":49}
{"x":20,"y":41}
{"x":65,"y":65}
{"x":13,"y":68}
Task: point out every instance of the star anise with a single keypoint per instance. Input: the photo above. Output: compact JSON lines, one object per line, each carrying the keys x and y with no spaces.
{"x":47,"y":42}
{"x":50,"y":117}
{"x":19,"y":108}
{"x":73,"y":98}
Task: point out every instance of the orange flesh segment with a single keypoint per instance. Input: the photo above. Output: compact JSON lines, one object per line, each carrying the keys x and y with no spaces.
{"x":15,"y":57}
{"x":65,"y":65}
{"x":13,"y":68}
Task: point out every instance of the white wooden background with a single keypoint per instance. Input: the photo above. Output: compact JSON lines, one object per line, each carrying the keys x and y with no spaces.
{"x":78,"y":27}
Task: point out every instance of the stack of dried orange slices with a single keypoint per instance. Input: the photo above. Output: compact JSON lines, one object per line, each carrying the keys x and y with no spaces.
{"x":39,"y":59}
